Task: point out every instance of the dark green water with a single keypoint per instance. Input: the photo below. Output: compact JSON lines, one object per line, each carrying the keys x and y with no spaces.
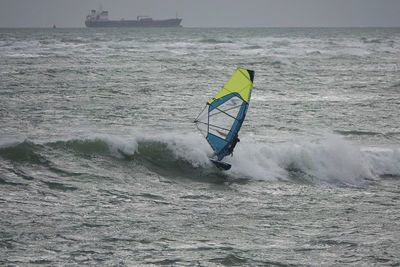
{"x":100,"y":163}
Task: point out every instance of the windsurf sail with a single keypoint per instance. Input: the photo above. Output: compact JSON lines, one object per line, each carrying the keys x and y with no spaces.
{"x":223,"y":115}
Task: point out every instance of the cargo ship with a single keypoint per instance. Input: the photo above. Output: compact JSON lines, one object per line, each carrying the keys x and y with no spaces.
{"x":100,"y":19}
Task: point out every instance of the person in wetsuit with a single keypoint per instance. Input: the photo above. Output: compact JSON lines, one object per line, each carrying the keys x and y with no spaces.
{"x":232,"y":145}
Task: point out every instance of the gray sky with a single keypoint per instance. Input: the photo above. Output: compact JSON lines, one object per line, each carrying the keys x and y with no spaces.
{"x":208,"y":13}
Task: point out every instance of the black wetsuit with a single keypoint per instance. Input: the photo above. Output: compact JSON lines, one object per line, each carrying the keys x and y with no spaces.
{"x":232,"y":146}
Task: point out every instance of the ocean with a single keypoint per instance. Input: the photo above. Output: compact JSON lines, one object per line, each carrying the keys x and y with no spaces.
{"x":101,"y":164}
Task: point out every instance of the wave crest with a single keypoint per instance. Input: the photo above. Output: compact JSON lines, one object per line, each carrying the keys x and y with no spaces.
{"x":329,"y":160}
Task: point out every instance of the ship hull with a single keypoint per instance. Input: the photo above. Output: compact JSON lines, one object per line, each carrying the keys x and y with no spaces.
{"x":133,"y":23}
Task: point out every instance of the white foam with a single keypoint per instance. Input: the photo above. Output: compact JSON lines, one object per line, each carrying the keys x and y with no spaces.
{"x":385,"y":161}
{"x":329,"y":159}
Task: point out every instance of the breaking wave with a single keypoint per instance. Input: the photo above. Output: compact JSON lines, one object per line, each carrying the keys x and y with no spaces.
{"x":331,"y":160}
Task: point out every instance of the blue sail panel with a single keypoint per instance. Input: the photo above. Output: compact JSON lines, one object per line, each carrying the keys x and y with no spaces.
{"x":217,"y":143}
{"x":233,"y":133}
{"x":238,"y":122}
{"x":225,"y":118}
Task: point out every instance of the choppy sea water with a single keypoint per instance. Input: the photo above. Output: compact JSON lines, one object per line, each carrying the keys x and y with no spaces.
{"x":100,"y":163}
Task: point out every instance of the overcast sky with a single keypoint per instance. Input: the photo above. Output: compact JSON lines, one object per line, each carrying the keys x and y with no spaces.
{"x":208,"y":13}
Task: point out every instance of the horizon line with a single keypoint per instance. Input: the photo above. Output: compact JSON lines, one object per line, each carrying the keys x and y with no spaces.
{"x":193,"y":27}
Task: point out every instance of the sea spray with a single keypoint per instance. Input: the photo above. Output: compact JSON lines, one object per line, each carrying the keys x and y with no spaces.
{"x":330,"y":159}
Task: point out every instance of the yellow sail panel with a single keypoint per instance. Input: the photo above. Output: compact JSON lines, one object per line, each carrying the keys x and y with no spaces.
{"x":240,"y":82}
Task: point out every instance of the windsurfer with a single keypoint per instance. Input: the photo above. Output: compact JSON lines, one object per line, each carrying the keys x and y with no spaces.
{"x":223,"y":116}
{"x":232,"y":145}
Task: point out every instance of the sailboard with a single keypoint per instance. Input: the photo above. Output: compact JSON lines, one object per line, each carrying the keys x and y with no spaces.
{"x":223,"y":116}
